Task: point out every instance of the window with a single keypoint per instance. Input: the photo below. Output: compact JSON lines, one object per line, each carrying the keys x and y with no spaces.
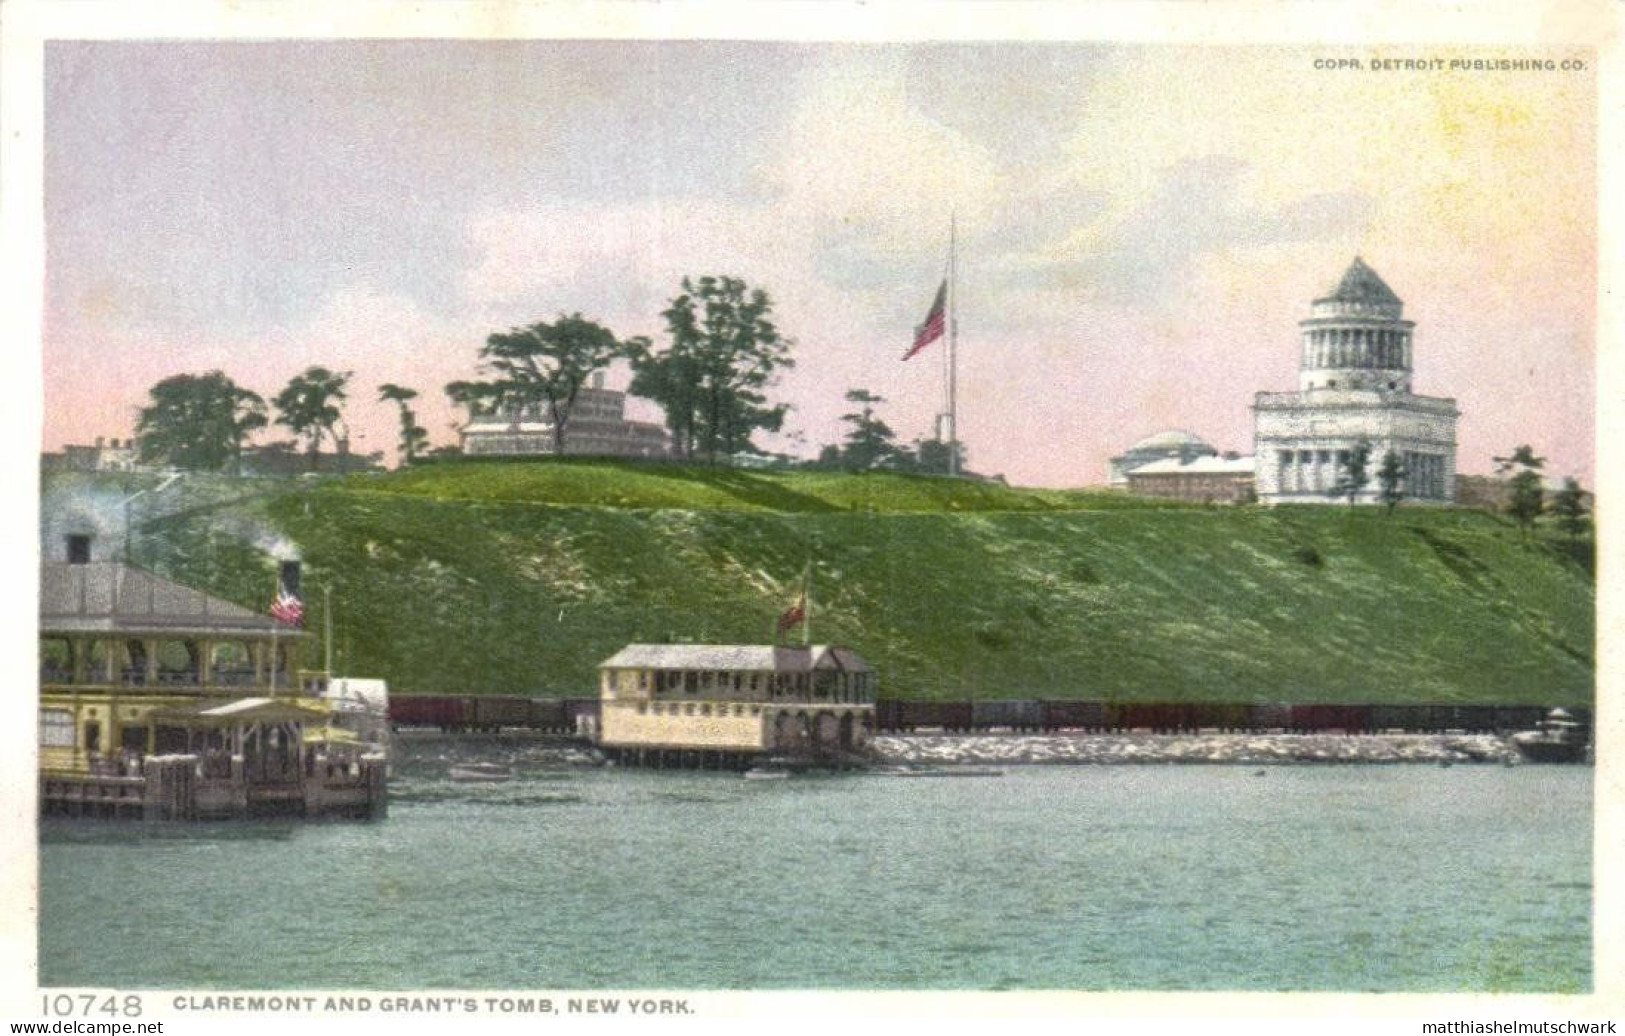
{"x":133,"y":739}
{"x":56,"y":728}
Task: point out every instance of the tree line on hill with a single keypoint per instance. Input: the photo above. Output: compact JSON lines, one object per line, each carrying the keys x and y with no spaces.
{"x":723,"y":354}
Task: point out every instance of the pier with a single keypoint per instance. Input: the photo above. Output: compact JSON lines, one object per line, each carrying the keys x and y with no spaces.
{"x":188,"y":787}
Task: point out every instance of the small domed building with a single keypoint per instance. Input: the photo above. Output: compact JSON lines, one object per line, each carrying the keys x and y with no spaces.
{"x":1354,"y":386}
{"x":1169,"y":445}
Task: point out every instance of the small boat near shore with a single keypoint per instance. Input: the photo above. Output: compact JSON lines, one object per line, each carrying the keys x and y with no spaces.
{"x":942,"y":771}
{"x":480,"y":773}
{"x":1558,"y":739}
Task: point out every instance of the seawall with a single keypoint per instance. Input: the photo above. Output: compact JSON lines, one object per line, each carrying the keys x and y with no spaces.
{"x":1255,"y":749}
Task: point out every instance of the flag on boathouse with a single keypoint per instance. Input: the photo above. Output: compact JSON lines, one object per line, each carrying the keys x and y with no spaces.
{"x":936,"y":322}
{"x":794,"y":615}
{"x":287,"y":608}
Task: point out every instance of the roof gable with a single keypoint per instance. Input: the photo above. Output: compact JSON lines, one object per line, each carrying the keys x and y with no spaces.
{"x":107,"y":596}
{"x":759,"y":658}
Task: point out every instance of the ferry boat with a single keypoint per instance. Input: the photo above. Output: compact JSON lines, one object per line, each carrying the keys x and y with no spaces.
{"x":1558,"y":739}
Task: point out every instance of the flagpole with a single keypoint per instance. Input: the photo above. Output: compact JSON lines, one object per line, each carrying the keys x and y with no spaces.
{"x":275,"y":624}
{"x":806,"y":606}
{"x":953,"y":343}
{"x":327,"y":630}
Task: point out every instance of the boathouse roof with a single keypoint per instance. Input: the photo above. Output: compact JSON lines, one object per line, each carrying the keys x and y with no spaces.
{"x":757,"y":658}
{"x":110,"y":597}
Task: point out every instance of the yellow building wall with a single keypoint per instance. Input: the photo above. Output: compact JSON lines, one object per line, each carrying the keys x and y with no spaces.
{"x":112,"y":713}
{"x":621,"y":725}
{"x":625,"y":684}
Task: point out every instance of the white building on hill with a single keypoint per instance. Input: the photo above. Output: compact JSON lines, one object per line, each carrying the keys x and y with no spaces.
{"x":597,"y":426}
{"x":1354,"y":386}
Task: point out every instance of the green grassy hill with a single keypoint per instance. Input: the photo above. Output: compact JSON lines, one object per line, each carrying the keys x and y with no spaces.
{"x":519,"y":578}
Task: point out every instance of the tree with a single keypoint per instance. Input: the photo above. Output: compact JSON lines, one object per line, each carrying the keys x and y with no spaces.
{"x":1355,"y":474}
{"x":1568,"y":504}
{"x":310,"y":406}
{"x":933,"y":456}
{"x":724,"y":351}
{"x":870,"y":443}
{"x":547,"y":364}
{"x":1527,"y":499}
{"x":414,"y":437}
{"x":199,"y":422}
{"x":480,"y":398}
{"x":1391,"y":480}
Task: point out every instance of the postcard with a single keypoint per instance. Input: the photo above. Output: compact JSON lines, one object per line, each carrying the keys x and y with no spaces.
{"x":565,"y":514}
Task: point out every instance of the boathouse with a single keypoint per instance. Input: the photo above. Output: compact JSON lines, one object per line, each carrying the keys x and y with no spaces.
{"x":161,"y":701}
{"x":726,"y":706}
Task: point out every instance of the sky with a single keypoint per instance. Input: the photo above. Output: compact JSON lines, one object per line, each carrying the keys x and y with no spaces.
{"x":1139,"y":228}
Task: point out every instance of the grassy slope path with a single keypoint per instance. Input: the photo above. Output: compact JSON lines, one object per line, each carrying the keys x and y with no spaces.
{"x":520,"y":577}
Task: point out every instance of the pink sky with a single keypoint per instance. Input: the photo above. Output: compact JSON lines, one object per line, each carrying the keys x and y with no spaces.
{"x":1141,"y":228}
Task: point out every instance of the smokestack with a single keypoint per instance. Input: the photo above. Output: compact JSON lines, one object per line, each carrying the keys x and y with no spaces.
{"x":290,"y":579}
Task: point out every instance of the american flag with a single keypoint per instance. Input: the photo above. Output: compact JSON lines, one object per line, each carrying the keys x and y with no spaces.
{"x":794,"y":615}
{"x":288,"y":609}
{"x":935,"y":322}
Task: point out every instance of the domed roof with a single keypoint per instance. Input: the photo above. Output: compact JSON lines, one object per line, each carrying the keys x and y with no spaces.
{"x":1361,"y":284}
{"x":1172,"y":439}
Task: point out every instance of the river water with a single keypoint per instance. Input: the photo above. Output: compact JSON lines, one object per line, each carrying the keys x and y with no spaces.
{"x":1358,"y":878}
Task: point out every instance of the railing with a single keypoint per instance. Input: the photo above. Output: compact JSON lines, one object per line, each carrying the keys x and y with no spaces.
{"x":181,"y":682}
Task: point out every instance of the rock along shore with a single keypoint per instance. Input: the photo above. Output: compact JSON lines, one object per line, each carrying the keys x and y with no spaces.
{"x":1252,"y":749}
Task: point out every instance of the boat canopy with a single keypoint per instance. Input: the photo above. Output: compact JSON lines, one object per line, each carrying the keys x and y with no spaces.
{"x":243,"y":711}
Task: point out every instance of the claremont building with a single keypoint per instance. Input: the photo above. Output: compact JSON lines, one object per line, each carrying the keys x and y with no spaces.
{"x":1354,"y":386}
{"x":598,"y":427}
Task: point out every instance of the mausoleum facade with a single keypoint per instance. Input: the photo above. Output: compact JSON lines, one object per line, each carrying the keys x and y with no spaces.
{"x":1354,"y":386}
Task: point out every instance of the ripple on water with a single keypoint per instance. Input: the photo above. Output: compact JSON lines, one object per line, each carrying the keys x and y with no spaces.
{"x":1052,"y":878}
